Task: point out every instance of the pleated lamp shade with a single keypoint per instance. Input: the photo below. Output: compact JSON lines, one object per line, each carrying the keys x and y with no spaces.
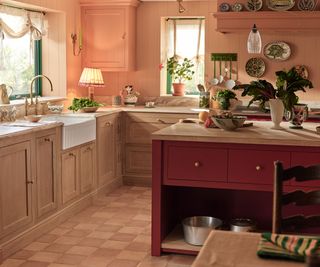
{"x":91,"y":78}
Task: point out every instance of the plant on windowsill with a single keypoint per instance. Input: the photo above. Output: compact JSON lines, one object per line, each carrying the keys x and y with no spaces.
{"x":180,"y":71}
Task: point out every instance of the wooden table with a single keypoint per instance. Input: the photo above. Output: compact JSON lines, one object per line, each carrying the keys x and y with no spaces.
{"x":230,"y":249}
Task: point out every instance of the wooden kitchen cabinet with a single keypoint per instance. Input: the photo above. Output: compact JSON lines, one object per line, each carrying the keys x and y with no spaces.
{"x":108,"y":132}
{"x":46,"y":173}
{"x":15,"y":187}
{"x":70,"y":174}
{"x":87,"y":167}
{"x":109,"y":32}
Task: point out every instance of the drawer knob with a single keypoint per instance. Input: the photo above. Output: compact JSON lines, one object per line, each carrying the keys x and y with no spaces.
{"x":108,"y":123}
{"x":197,"y":164}
{"x":30,"y":182}
{"x":47,"y":140}
{"x":258,"y":167}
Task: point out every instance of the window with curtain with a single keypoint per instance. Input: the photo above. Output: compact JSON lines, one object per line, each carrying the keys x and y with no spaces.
{"x":21,"y":32}
{"x":184,"y":38}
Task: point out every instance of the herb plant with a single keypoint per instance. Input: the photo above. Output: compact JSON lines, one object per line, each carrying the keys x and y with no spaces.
{"x":180,"y":71}
{"x":224,"y":97}
{"x":79,"y":103}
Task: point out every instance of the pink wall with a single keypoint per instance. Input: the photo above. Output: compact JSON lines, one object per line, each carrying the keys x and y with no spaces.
{"x":146,"y":78}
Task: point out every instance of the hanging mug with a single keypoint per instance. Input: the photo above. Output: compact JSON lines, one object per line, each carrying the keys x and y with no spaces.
{"x":297,"y":115}
{"x":4,"y":95}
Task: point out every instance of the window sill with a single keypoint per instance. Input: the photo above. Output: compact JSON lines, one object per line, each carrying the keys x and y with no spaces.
{"x":44,"y":99}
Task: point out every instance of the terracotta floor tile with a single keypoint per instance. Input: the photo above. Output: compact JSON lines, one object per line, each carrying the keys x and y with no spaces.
{"x":68,"y":240}
{"x":78,"y":233}
{"x":59,"y":265}
{"x":182,"y":259}
{"x":123,"y":237}
{"x":86,"y":226}
{"x":91,"y":242}
{"x":71,"y":259}
{"x":142,"y":217}
{"x":106,"y":253}
{"x":23,"y":254}
{"x":100,"y":235}
{"x":36,"y":246}
{"x":123,"y":263}
{"x":138,"y":246}
{"x":115,"y":244}
{"x":81,"y":250}
{"x":153,"y":264}
{"x":47,"y":238}
{"x":108,"y":228}
{"x":143,"y":239}
{"x":131,"y":230}
{"x":59,"y":231}
{"x":45,"y":256}
{"x":68,"y":225}
{"x":132,"y":255}
{"x":58,"y":248}
{"x":105,"y":215}
{"x":34,"y":264}
{"x":12,"y":263}
{"x":96,"y":262}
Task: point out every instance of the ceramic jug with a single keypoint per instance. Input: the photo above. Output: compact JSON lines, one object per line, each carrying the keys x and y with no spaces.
{"x":4,"y":95}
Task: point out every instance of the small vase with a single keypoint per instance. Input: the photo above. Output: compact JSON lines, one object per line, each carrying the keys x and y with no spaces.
{"x":297,"y":115}
{"x":277,"y":110}
{"x":178,"y":89}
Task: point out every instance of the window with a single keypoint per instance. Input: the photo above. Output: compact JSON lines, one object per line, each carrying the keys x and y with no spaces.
{"x":20,"y":51}
{"x":184,"y":38}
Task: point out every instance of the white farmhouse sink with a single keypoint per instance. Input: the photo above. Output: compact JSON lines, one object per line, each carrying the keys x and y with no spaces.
{"x":76,"y":130}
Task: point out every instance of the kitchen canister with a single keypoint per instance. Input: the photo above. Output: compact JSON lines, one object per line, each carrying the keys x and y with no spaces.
{"x":116,"y":100}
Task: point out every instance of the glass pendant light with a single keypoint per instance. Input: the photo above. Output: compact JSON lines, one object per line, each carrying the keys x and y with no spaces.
{"x":254,"y":41}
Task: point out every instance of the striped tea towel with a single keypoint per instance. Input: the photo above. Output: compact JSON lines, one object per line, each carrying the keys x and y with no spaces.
{"x":287,"y":246}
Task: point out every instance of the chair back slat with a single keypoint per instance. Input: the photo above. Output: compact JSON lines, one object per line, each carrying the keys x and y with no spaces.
{"x":298,"y":197}
{"x":301,"y":198}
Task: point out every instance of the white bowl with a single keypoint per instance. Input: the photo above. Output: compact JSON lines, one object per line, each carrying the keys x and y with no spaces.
{"x":229,"y":124}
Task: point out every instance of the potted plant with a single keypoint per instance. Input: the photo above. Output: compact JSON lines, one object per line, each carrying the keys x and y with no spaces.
{"x":224,"y":98}
{"x":179,"y":71}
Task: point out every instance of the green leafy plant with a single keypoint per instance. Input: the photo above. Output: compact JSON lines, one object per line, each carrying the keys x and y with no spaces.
{"x":288,"y":83}
{"x":224,"y":97}
{"x":260,"y":90}
{"x":180,"y":71}
{"x":79,"y":103}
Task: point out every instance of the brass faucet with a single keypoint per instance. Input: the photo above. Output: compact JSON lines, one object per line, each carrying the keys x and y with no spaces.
{"x":31,"y":95}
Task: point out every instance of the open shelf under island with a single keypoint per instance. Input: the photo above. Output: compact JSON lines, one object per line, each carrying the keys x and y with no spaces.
{"x":200,"y":171}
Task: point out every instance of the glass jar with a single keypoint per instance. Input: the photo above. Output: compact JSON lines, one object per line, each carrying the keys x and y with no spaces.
{"x":204,"y":99}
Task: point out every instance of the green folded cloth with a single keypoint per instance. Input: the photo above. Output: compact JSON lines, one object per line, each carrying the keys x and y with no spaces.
{"x":290,"y":247}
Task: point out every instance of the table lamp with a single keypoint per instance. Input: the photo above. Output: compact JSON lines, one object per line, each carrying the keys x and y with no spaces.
{"x":91,"y":78}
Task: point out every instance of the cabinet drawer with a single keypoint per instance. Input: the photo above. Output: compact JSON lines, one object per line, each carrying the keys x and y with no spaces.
{"x":305,"y":159}
{"x":254,"y":167}
{"x":197,"y":163}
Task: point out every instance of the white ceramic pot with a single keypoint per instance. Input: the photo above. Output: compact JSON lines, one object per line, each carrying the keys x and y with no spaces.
{"x":277,"y":110}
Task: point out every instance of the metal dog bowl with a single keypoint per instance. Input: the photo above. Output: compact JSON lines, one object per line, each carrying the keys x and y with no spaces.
{"x":242,"y":225}
{"x":196,"y":229}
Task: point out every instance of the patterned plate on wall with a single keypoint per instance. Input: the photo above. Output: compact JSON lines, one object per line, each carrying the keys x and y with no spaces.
{"x":254,"y":5}
{"x":277,"y":51}
{"x":255,"y":67}
{"x":280,"y":5}
{"x":306,"y":5}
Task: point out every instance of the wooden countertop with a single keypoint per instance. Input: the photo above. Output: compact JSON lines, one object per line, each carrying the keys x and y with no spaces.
{"x":259,"y":133}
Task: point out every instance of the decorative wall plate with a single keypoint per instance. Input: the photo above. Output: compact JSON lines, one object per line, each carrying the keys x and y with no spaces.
{"x":280,"y":5}
{"x":255,"y":67}
{"x":306,"y":5}
{"x":302,"y":70}
{"x":237,"y":7}
{"x":254,"y":5}
{"x":224,"y":7}
{"x":277,"y":51}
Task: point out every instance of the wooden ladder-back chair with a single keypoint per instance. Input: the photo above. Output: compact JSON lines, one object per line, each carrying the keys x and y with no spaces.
{"x":297,"y":197}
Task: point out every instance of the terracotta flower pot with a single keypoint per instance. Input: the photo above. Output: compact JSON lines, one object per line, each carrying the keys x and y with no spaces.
{"x":178,"y":89}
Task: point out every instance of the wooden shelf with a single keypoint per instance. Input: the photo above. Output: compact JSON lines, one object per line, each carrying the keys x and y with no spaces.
{"x":280,"y":21}
{"x":174,"y":243}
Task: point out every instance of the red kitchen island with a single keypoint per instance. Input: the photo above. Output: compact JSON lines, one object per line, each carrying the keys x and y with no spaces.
{"x":199,"y":171}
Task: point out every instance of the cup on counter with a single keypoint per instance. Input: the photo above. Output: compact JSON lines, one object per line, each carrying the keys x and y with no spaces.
{"x":116,"y":100}
{"x":149,"y":104}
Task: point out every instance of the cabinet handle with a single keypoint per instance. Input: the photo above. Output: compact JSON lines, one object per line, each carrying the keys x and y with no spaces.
{"x":89,"y":148}
{"x":47,"y":139}
{"x":162,"y":121}
{"x":258,"y":168}
{"x":71,"y":154}
{"x":124,"y":36}
{"x":108,"y":123}
{"x":197,"y":164}
{"x":30,"y":182}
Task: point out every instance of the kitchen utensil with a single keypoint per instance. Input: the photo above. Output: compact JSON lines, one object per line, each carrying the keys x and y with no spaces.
{"x":196,"y":229}
{"x":242,"y":225}
{"x":230,"y":84}
{"x":215,"y":80}
{"x":221,"y":77}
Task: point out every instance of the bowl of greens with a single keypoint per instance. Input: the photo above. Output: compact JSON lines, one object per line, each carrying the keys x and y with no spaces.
{"x":84,"y":105}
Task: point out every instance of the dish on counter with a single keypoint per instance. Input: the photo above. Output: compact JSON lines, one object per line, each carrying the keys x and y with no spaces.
{"x":237,"y":7}
{"x":277,"y":50}
{"x":229,"y":123}
{"x":254,"y":5}
{"x":302,"y":71}
{"x":224,"y":7}
{"x":280,"y":5}
{"x":33,"y":118}
{"x":255,"y":67}
{"x":306,"y":5}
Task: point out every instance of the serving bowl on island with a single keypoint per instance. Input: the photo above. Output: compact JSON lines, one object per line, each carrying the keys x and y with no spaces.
{"x":229,"y":123}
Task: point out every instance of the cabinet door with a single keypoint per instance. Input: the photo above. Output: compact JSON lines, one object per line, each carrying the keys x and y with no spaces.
{"x":108,"y":37}
{"x":87,"y":167}
{"x":106,"y":148}
{"x":70,"y":175}
{"x":305,"y":159}
{"x":46,"y":177}
{"x":15,"y":187}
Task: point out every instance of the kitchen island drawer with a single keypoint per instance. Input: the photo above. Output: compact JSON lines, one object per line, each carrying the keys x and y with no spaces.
{"x":254,"y":166}
{"x":195,"y":162}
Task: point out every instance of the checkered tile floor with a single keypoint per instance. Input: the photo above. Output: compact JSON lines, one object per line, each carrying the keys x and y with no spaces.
{"x":114,"y":232}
